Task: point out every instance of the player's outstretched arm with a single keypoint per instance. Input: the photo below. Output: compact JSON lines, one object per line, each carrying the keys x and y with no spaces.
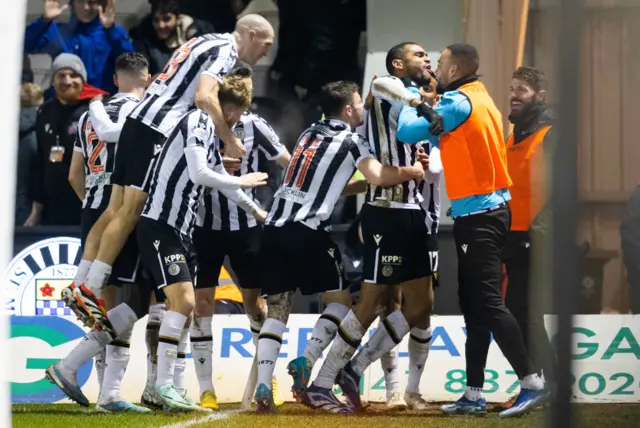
{"x":207,"y":100}
{"x":386,"y":175}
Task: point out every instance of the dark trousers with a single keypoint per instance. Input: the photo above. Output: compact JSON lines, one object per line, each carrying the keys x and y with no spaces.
{"x":479,"y":240}
{"x":529,"y":315}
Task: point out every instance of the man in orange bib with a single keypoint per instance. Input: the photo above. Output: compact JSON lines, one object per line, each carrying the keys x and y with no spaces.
{"x":474,"y":160}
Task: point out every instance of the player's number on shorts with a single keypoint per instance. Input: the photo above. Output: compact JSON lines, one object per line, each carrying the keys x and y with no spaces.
{"x":178,"y":58}
{"x":98,"y":146}
{"x":306,"y":157}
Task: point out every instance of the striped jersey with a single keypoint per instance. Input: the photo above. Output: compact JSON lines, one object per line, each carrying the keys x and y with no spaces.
{"x":325,"y":158}
{"x":173,"y":197}
{"x":381,"y":128}
{"x":431,"y":192}
{"x":172,"y":94}
{"x":100,"y":156}
{"x":219,"y":212}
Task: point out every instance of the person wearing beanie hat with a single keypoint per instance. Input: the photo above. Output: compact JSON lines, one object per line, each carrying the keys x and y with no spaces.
{"x":91,"y":34}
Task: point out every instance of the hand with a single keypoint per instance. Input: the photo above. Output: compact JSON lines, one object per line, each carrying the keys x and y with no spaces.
{"x":107,"y":14}
{"x":32,"y":220}
{"x":369,"y":99}
{"x":300,"y":92}
{"x":99,"y":97}
{"x":260,"y":215}
{"x":436,"y":121}
{"x":234,"y":148}
{"x":423,"y":158}
{"x":231,"y":165}
{"x":417,"y":171}
{"x":254,"y":179}
{"x":53,"y":9}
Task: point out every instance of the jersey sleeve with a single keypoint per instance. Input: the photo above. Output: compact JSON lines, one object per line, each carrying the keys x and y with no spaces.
{"x":266,"y":139}
{"x":199,"y":130}
{"x":360,"y":149}
{"x":220,"y":65}
{"x":79,"y":143}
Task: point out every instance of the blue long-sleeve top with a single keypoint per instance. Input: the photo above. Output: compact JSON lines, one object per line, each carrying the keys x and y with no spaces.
{"x":97,"y":46}
{"x":455,"y":109}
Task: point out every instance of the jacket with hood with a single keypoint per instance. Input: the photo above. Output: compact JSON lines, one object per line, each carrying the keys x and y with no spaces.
{"x":57,"y":123}
{"x":27,"y":158}
{"x":158,"y":52}
{"x":96,"y":46}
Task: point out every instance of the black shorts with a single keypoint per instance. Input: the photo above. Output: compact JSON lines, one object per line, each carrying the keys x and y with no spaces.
{"x":127,"y":269}
{"x":136,"y":152}
{"x":242,"y":247}
{"x":167,"y":255}
{"x":295,"y":256}
{"x":396,"y":245}
{"x":88,"y":218}
{"x":228,"y":307}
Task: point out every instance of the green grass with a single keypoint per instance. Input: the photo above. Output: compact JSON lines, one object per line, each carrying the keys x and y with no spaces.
{"x":296,"y":416}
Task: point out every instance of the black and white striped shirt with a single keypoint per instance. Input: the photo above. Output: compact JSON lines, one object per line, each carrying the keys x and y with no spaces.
{"x":173,"y":197}
{"x":219,"y":212}
{"x":172,"y":93}
{"x":100,"y":155}
{"x":325,"y":158}
{"x":431,"y":191}
{"x":381,"y":128}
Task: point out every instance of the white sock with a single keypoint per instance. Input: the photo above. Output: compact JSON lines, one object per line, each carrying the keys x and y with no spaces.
{"x":100,"y":360}
{"x":345,"y":344}
{"x":82,"y":272}
{"x":533,"y":381}
{"x":389,"y":363}
{"x":181,"y":362}
{"x":98,"y":276}
{"x":117,"y":360}
{"x":388,"y":335}
{"x":88,"y":348}
{"x":170,"y":332}
{"x":269,"y":345}
{"x":202,"y":351}
{"x":122,"y":318}
{"x":324,"y":331}
{"x":473,"y":394}
{"x":156,"y":315}
{"x":256,"y":323}
{"x":419,"y":343}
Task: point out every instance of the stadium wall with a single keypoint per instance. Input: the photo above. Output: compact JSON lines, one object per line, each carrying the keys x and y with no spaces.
{"x":606,"y":360}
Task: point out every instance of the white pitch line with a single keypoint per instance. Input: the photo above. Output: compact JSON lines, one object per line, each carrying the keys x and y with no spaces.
{"x":217,"y":416}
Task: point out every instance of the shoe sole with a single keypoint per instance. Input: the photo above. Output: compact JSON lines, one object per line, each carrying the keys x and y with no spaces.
{"x":153,"y":404}
{"x":464,"y":412}
{"x":53,"y":378}
{"x":263,"y":405}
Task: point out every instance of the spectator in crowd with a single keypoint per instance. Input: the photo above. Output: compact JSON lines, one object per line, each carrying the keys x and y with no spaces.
{"x":27,"y":71}
{"x":91,"y":34}
{"x":55,"y":202}
{"x":31,"y":97}
{"x":164,"y":30}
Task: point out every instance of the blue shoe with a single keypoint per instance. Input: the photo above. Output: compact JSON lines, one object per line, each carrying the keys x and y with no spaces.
{"x":324,"y":399}
{"x":301,"y":373}
{"x":121,"y":406}
{"x":349,"y":382}
{"x":527,"y":400}
{"x":264,"y":399}
{"x":67,"y":381}
{"x":464,"y":406}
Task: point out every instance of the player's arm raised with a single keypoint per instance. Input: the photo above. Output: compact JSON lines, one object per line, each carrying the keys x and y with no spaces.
{"x":207,"y":100}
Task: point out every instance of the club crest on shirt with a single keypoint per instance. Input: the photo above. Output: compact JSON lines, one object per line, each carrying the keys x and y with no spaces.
{"x":239,"y":132}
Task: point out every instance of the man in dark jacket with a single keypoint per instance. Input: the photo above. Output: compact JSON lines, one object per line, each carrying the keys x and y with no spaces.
{"x":91,"y":34}
{"x":163,"y":31}
{"x":55,"y":202}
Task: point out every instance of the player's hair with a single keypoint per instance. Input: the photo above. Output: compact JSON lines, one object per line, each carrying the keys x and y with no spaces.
{"x":236,"y":90}
{"x":466,"y":57}
{"x":31,"y":95}
{"x":241,"y":69}
{"x":335,"y":96}
{"x":131,"y":62}
{"x":394,"y":53}
{"x":532,"y":76}
{"x":165,"y":6}
{"x":254,"y":22}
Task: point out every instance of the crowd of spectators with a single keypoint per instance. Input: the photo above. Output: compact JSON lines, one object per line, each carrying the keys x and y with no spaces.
{"x":313,"y":37}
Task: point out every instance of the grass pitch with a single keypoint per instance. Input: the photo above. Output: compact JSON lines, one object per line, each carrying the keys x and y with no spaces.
{"x":296,"y":416}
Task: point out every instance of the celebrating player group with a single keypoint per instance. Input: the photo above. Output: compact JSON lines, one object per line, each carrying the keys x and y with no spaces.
{"x":161,"y":212}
